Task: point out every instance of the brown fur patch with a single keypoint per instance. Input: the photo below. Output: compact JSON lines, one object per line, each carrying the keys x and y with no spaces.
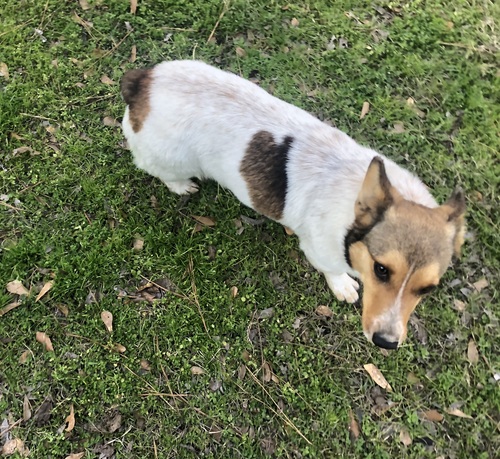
{"x":135,"y":89}
{"x":264,"y":169}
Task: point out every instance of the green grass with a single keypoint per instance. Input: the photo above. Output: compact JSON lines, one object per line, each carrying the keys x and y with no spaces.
{"x":74,"y":204}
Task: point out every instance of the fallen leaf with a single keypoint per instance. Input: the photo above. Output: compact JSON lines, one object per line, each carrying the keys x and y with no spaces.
{"x":70,"y":419}
{"x":294,"y":22}
{"x":119,"y":348}
{"x":266,"y":372}
{"x":240,"y":51}
{"x":82,"y":22}
{"x":133,"y":54}
{"x":9,"y":307}
{"x":242,"y":371}
{"x":266,"y":313}
{"x":24,"y":357}
{"x":480,"y":284}
{"x":234,"y":292}
{"x":115,"y":423}
{"x":26,"y":409}
{"x":472,"y":353}
{"x":398,"y":128}
{"x":111,"y":122}
{"x":324,"y":311}
{"x":432,"y":415}
{"x":16,"y":445}
{"x":145,"y":365}
{"x":377,"y":376}
{"x":107,"y":80}
{"x":207,"y":221}
{"x":48,"y":285}
{"x":404,"y":437}
{"x":353,"y":426}
{"x":459,"y":305}
{"x":289,"y":231}
{"x":197,"y":371}
{"x":84,"y":5}
{"x":44,"y":413}
{"x":21,"y":150}
{"x":364,"y":110}
{"x":458,"y":413}
{"x":107,"y":318}
{"x":133,"y":6}
{"x":63,"y":309}
{"x":44,"y":339}
{"x":17,"y":288}
{"x":4,"y":70}
{"x":138,"y":244}
{"x":76,"y":455}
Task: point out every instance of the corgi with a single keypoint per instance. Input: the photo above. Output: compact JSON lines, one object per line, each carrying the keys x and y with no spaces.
{"x":356,"y":213}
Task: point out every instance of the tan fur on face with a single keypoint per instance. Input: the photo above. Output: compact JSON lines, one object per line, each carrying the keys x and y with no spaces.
{"x":135,"y":89}
{"x":415,"y":243}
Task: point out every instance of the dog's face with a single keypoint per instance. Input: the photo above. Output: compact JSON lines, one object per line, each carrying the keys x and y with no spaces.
{"x":400,"y":249}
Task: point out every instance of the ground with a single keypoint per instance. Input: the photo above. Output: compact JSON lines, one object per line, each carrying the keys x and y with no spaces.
{"x":224,"y":342}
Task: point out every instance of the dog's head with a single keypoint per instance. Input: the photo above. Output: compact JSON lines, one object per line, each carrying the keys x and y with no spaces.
{"x":400,"y":249}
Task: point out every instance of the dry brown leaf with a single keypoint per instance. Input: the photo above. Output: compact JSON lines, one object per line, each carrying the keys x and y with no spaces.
{"x":289,"y":231}
{"x":353,"y":426}
{"x":145,"y":365}
{"x":107,"y":318}
{"x":63,"y":309}
{"x":76,"y":455}
{"x":432,"y":415}
{"x":266,"y":372}
{"x":84,"y":5}
{"x":207,"y":221}
{"x":81,"y":21}
{"x":472,"y":353}
{"x":197,"y":370}
{"x":20,"y":150}
{"x":240,"y":51}
{"x":9,"y":307}
{"x":26,"y":409}
{"x":17,"y":288}
{"x":294,"y":22}
{"x":24,"y":357}
{"x":480,"y":284}
{"x":459,"y":305}
{"x":138,"y":244}
{"x":324,"y":311}
{"x":107,"y":80}
{"x":4,"y":70}
{"x":133,"y":54}
{"x":242,"y":371}
{"x":119,"y":348}
{"x":133,"y":6}
{"x":404,"y":437}
{"x":115,"y":423}
{"x":111,"y":122}
{"x":398,"y":128}
{"x":364,"y":110}
{"x":234,"y":291}
{"x":44,"y":339}
{"x":48,"y":285}
{"x":70,"y":419}
{"x":16,"y":445}
{"x":458,"y":413}
{"x":377,"y":376}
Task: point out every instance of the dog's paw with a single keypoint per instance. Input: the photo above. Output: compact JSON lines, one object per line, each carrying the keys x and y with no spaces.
{"x":182,"y":187}
{"x":344,"y":287}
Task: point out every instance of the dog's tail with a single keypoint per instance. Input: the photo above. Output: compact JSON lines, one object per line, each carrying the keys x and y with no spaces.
{"x":135,"y":84}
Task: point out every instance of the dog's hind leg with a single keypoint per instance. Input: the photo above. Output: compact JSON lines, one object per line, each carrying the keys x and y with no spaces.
{"x":182,"y":186}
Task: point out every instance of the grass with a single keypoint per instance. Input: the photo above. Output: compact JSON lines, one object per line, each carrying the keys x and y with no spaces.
{"x":73,"y":204}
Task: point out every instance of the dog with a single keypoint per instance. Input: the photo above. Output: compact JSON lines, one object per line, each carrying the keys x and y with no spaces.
{"x":356,"y":213}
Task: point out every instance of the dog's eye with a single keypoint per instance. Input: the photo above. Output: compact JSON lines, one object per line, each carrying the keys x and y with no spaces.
{"x":425,"y":290}
{"x":381,"y":272}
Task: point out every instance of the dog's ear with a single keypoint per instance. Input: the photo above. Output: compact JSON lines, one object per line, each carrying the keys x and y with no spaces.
{"x":375,"y":195}
{"x":454,"y":213}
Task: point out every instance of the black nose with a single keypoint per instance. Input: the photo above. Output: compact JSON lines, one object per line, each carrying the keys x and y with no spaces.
{"x":380,"y":341}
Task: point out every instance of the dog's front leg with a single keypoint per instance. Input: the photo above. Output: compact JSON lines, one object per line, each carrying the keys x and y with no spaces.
{"x":344,"y":287}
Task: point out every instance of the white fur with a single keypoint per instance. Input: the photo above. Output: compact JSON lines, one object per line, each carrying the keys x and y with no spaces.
{"x":200,"y":123}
